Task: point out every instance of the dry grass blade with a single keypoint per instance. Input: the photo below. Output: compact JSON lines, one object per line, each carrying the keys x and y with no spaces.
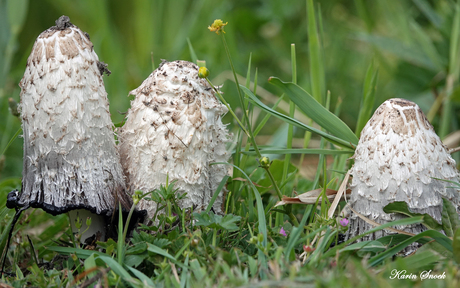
{"x":174,"y":270}
{"x":339,"y":194}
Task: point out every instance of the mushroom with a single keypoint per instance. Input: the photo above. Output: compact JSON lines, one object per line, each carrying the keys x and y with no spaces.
{"x":174,"y":129}
{"x":398,"y":158}
{"x":71,"y":163}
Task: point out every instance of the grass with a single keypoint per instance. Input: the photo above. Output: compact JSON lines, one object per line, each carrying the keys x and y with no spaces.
{"x":347,"y":58}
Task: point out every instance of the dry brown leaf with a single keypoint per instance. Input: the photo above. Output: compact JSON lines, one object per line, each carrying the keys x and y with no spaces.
{"x":309,"y":197}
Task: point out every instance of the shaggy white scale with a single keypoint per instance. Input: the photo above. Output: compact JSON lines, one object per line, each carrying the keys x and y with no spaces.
{"x":70,"y":156}
{"x":174,"y":128}
{"x":397,"y":159}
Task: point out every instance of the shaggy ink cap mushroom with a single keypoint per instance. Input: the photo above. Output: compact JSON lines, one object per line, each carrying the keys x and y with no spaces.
{"x":70,"y":159}
{"x":398,"y":158}
{"x":174,"y":129}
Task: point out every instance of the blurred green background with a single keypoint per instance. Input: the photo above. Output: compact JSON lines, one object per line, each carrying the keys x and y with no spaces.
{"x":408,"y":40}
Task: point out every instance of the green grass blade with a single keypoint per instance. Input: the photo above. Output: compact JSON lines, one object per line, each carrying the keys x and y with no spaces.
{"x":253,"y":99}
{"x":409,"y":53}
{"x":456,"y":246}
{"x":426,"y":44}
{"x":316,"y":65}
{"x":11,"y":140}
{"x":157,"y":250}
{"x":403,"y":222}
{"x":452,"y":77}
{"x":192,"y":51}
{"x":431,"y":14}
{"x":260,"y":213}
{"x":367,"y":102}
{"x":216,"y":193}
{"x":296,"y":232}
{"x":121,"y":240}
{"x":299,"y":151}
{"x":287,"y":119}
{"x":144,"y":278}
{"x":117,"y":268}
{"x":317,"y":112}
{"x":266,"y":117}
{"x":81,"y":253}
{"x":439,"y":237}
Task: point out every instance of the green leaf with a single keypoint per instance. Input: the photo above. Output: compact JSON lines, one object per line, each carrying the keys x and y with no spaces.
{"x":214,"y":221}
{"x":317,"y":112}
{"x":287,"y":119}
{"x":402,"y":208}
{"x":135,"y":260}
{"x":456,"y":246}
{"x":197,"y":270}
{"x":450,"y":218}
{"x":159,"y":251}
{"x":90,"y":263}
{"x":137,"y":248}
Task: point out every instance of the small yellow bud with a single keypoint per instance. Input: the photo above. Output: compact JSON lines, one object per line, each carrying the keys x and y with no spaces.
{"x":88,"y":221}
{"x":264,"y":162}
{"x":203,"y":72}
{"x":78,"y":223}
{"x":217,"y":26}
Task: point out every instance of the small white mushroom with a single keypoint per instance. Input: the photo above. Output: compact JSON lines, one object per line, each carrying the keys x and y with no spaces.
{"x":397,"y":159}
{"x":70,"y":157}
{"x":174,"y":128}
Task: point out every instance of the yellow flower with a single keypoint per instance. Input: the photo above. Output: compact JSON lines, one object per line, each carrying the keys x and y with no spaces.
{"x":217,"y":26}
{"x":203,"y":72}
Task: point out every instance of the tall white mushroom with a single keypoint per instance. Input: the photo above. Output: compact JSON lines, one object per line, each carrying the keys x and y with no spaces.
{"x":70,"y":157}
{"x":397,"y":159}
{"x":174,"y":128}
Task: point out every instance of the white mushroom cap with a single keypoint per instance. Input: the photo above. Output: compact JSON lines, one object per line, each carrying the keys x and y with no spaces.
{"x":70,"y":156}
{"x":397,"y":159}
{"x":174,"y":128}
